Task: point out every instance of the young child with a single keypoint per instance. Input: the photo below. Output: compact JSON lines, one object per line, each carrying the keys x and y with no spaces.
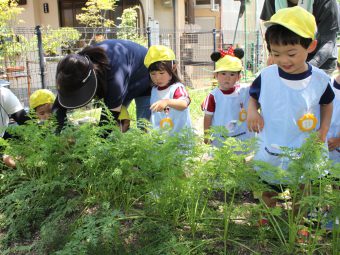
{"x":295,"y":97}
{"x":41,"y":101}
{"x":333,"y":136}
{"x":169,"y":98}
{"x":226,"y":105}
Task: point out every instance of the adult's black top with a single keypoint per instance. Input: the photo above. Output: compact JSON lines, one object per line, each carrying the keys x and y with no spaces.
{"x":326,"y":16}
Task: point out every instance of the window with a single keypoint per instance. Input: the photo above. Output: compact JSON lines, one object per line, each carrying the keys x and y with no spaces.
{"x":70,"y":8}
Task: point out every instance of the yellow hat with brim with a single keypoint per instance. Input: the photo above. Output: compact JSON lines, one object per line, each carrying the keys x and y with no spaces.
{"x":41,"y":97}
{"x":158,"y":53}
{"x":124,"y":114}
{"x":228,"y":63}
{"x":296,"y":19}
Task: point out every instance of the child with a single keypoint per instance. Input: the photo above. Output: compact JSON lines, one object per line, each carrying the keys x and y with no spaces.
{"x":333,"y":136}
{"x":334,"y":131}
{"x":10,"y":106}
{"x":226,"y":105}
{"x":41,"y":101}
{"x":169,"y":98}
{"x":294,"y":96}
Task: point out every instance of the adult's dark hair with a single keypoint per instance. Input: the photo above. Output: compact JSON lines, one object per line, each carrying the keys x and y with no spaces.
{"x":169,"y":67}
{"x":280,"y":35}
{"x":74,"y":66}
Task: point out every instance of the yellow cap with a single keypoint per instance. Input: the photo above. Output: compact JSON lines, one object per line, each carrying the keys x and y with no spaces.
{"x":158,"y":53}
{"x":228,"y":63}
{"x":338,"y":55}
{"x":124,"y":113}
{"x":40,"y":97}
{"x":296,"y":19}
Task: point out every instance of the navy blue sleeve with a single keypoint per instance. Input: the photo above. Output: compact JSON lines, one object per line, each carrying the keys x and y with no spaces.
{"x":127,"y":78}
{"x":328,"y":95}
{"x":255,"y":88}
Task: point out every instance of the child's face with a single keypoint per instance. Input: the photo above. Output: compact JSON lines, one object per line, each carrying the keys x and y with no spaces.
{"x":226,"y":80}
{"x":160,"y":78}
{"x":44,"y":111}
{"x":291,"y":58}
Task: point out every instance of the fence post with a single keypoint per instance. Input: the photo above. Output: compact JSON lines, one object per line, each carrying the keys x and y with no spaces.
{"x":41,"y":57}
{"x":257,"y":59}
{"x":148,"y":32}
{"x":214,"y":42}
{"x":214,"y":38}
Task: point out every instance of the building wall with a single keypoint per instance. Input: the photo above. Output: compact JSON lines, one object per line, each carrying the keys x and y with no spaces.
{"x":51,"y":18}
{"x":29,"y":15}
{"x":208,"y":13}
{"x":248,"y":24}
{"x":164,"y":15}
{"x":34,"y":15}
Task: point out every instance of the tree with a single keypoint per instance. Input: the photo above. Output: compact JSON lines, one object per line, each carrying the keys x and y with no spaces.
{"x":95,"y":13}
{"x":9,"y":12}
{"x":128,"y":27}
{"x":11,"y":45}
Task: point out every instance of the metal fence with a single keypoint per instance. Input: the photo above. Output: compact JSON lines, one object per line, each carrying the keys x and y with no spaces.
{"x":28,"y":57}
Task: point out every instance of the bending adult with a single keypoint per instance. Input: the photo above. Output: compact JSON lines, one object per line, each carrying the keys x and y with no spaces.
{"x":10,"y":107}
{"x":112,"y":70}
{"x":326,"y":16}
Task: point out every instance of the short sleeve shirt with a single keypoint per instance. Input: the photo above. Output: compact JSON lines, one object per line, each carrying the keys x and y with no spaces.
{"x":9,"y":104}
{"x":326,"y":98}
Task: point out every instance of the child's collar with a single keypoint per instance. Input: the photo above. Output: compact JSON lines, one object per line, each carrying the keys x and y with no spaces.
{"x":229,"y":91}
{"x":299,"y":76}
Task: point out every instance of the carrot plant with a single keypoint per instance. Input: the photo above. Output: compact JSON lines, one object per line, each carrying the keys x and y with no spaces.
{"x":93,"y":190}
{"x":308,"y":182}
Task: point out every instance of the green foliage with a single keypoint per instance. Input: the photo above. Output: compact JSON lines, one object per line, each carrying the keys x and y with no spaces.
{"x":307,"y":180}
{"x":11,"y":46}
{"x":9,"y":12}
{"x":127,"y":29}
{"x":54,"y":40}
{"x":94,"y":14}
{"x":148,"y":193}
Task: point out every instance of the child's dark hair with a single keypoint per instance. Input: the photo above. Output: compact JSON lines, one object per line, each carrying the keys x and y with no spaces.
{"x":167,"y":66}
{"x":280,"y":35}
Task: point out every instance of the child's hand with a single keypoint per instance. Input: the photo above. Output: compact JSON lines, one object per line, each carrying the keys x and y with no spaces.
{"x":9,"y":161}
{"x":254,"y":121}
{"x":159,"y":106}
{"x":333,"y":143}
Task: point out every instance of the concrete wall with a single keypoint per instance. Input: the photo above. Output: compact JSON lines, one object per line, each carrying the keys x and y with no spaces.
{"x":51,"y":18}
{"x":201,"y":12}
{"x":34,"y":15}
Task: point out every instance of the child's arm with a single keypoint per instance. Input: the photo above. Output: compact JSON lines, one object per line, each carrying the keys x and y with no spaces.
{"x":178,"y":104}
{"x":180,"y":101}
{"x":206,"y":126}
{"x":326,"y":111}
{"x":254,"y":119}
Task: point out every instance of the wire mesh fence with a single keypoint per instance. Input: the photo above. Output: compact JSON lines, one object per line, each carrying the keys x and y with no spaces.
{"x":29,"y":57}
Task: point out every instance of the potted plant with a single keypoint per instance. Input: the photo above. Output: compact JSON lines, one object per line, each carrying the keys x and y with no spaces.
{"x":11,"y":45}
